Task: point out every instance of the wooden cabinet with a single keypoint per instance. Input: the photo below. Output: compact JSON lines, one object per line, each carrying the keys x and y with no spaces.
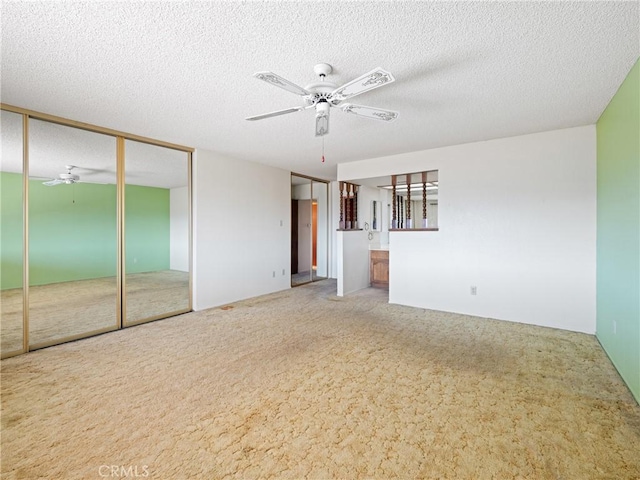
{"x":379,"y":269}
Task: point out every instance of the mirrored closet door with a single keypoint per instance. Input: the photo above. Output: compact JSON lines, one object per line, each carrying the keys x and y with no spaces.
{"x":301,"y":255}
{"x":320,"y":229}
{"x":309,"y":230}
{"x":157,"y":261}
{"x":72,"y":233}
{"x":11,"y":234}
{"x":95,"y":233}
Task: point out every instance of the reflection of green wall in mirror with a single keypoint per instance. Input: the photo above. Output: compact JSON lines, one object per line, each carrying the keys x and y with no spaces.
{"x":72,"y":231}
{"x":146,"y":220}
{"x":10,"y":230}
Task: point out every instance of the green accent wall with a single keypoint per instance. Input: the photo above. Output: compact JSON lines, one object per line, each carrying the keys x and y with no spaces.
{"x":72,"y":231}
{"x":618,"y":230}
{"x":10,"y":230}
{"x":147,"y":229}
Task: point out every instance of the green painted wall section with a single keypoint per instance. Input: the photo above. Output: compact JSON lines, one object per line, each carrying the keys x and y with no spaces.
{"x":10,"y":230}
{"x":147,"y":229}
{"x":72,"y":231}
{"x":618,"y":230}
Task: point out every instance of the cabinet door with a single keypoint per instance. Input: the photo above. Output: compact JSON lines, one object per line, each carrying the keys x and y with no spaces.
{"x":379,"y":274}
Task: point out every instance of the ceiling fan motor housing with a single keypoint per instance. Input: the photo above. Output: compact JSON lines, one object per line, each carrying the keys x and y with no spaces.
{"x":319,"y":92}
{"x":69,"y":177}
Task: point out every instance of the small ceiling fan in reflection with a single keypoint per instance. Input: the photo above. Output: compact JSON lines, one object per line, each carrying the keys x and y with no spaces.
{"x":67,"y":178}
{"x":323,"y":95}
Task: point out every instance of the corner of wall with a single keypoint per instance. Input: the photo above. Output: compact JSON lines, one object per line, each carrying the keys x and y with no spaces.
{"x":618,"y":230}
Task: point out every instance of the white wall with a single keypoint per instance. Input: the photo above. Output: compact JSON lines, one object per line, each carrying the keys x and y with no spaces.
{"x":304,"y":236}
{"x":179,"y":229}
{"x":301,"y":192}
{"x":235,"y":258}
{"x":366,"y":196}
{"x":353,"y":261}
{"x":320,"y":193}
{"x":517,"y":220}
{"x":334,"y":218}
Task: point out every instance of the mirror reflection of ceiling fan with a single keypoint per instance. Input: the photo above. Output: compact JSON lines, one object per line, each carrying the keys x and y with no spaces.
{"x":64,"y":178}
{"x":323,"y":95}
{"x":69,"y":178}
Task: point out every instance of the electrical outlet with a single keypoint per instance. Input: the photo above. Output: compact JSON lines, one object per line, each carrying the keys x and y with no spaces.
{"x":283,"y":271}
{"x":474,"y":290}
{"x":274,"y":274}
{"x":280,"y":222}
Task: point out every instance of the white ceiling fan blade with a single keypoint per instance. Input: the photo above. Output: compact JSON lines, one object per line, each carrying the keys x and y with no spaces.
{"x":276,"y":113}
{"x":373,"y":79}
{"x":370,"y":112}
{"x":283,"y":83}
{"x":53,"y":183}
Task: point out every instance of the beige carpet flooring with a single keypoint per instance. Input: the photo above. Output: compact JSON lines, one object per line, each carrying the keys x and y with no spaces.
{"x":60,"y":310}
{"x":303,"y":384}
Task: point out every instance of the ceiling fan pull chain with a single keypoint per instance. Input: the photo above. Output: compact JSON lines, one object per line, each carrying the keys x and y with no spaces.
{"x":323,"y":149}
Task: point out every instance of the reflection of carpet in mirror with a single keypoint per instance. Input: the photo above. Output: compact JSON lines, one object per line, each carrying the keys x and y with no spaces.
{"x":61,"y":310}
{"x":303,"y":277}
{"x":155,"y":293}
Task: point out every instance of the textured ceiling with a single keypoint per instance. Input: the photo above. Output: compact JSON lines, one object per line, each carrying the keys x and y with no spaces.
{"x":182,"y":72}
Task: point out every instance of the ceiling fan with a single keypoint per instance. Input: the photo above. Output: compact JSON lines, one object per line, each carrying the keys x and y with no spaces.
{"x":323,"y":95}
{"x":66,"y":178}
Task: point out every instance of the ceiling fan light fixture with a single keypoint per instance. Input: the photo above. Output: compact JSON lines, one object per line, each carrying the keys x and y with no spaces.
{"x":322,"y":117}
{"x":322,"y":108}
{"x":322,"y":125}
